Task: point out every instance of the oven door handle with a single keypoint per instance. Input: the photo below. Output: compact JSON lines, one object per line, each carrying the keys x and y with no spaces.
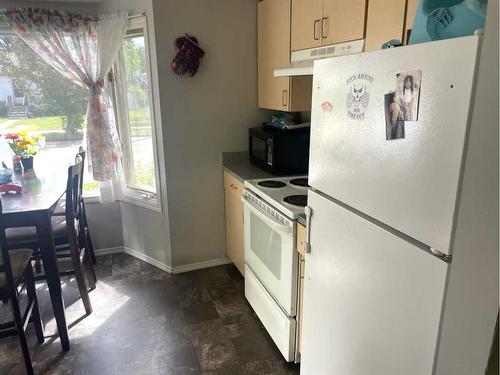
{"x":271,"y":221}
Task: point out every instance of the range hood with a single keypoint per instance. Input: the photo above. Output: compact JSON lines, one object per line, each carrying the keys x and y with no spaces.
{"x":301,"y":62}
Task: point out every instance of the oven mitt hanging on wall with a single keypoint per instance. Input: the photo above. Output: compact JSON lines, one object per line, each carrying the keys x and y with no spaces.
{"x":188,"y":57}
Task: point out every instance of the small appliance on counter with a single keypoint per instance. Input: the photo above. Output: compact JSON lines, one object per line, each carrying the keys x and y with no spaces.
{"x":280,"y":151}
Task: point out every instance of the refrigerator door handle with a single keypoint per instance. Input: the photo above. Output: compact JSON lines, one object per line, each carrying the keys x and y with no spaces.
{"x":444,"y":257}
{"x":307,"y":243}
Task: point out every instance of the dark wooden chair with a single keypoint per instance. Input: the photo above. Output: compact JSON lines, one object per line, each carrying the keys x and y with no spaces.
{"x":16,"y":274}
{"x":76,"y":234}
{"x":70,"y":236}
{"x":60,"y":211}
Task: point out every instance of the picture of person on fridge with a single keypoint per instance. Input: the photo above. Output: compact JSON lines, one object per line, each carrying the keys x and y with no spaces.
{"x":408,"y":93}
{"x":395,"y":128}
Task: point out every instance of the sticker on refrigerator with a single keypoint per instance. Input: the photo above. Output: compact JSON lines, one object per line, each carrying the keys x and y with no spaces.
{"x":358,"y":95}
{"x":394,"y":127}
{"x":327,"y":106}
{"x":408,"y":94}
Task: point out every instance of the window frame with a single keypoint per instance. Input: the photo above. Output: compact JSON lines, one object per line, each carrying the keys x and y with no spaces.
{"x":136,"y":196}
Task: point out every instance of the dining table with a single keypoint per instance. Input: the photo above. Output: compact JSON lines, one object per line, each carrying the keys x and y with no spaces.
{"x":33,"y":207}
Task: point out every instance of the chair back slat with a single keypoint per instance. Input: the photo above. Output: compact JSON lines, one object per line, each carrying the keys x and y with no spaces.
{"x":74,"y":190}
{"x":81,"y":154}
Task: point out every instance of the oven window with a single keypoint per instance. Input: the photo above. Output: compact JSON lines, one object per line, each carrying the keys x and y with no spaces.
{"x":259,"y":148}
{"x":266,"y":244}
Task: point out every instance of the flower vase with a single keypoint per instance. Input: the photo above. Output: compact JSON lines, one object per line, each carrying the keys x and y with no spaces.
{"x":27,"y":163}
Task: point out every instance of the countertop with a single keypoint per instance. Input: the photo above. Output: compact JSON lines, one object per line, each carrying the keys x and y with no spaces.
{"x":238,"y":164}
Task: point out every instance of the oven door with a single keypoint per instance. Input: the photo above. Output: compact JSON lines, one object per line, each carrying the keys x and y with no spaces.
{"x":270,"y":251}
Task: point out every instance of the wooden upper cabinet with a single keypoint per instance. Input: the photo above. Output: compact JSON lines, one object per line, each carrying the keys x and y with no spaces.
{"x":273,"y":52}
{"x":343,"y":21}
{"x":278,"y":93}
{"x":306,"y":24}
{"x":317,"y":23}
{"x":385,"y":22}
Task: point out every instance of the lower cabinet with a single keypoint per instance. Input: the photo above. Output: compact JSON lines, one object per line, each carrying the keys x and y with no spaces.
{"x":235,"y":247}
{"x":301,"y":237}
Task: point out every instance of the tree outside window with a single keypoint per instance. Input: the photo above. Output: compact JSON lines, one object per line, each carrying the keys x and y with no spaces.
{"x":54,"y":106}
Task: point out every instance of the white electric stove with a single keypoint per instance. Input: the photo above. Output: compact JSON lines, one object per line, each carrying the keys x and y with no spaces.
{"x":286,"y":194}
{"x":271,"y":209}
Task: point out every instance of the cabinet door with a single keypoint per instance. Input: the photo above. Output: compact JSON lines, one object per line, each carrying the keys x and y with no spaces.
{"x":273,"y":53}
{"x":343,"y":20}
{"x":385,"y":22}
{"x":306,"y":24}
{"x":235,"y":250}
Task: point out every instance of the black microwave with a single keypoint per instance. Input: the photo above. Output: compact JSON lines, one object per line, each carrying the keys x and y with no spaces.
{"x":278,"y":151}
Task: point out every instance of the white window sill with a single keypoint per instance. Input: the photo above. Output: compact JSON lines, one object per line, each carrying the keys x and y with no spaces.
{"x":92,"y":198}
{"x":141,"y":200}
{"x":137,"y":199}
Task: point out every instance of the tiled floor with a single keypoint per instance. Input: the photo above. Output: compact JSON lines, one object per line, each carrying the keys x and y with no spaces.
{"x":148,"y":322}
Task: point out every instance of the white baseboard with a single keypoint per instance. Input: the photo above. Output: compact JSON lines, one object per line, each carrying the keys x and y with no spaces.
{"x":108,"y":251}
{"x":147,"y":259}
{"x":200,"y":265}
{"x":162,"y":266}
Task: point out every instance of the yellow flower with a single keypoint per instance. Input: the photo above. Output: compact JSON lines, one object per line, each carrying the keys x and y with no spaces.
{"x":23,"y":133}
{"x":20,"y":144}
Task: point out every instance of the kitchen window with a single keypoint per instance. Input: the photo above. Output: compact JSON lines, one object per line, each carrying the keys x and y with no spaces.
{"x":34,"y":97}
{"x":136,"y":120}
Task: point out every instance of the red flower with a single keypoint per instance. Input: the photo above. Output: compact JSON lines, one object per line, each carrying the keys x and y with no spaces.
{"x":11,"y":136}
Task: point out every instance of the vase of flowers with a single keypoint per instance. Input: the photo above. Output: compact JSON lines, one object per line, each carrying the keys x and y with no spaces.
{"x":25,"y":145}
{"x":27,"y":163}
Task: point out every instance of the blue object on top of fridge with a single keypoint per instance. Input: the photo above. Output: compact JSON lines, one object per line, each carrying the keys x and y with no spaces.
{"x":444,"y":19}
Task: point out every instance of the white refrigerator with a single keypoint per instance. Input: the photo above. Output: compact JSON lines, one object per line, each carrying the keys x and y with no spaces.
{"x":385,"y":169}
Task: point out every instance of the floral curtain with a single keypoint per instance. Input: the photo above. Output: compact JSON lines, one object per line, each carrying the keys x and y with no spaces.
{"x":83,"y":49}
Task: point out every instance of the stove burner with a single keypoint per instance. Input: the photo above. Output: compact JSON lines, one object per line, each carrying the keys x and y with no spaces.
{"x":296,"y":200}
{"x":273,"y":184}
{"x":303,"y":182}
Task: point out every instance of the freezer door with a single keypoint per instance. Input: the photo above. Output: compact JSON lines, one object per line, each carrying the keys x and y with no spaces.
{"x":372,"y":301}
{"x":411,"y":183}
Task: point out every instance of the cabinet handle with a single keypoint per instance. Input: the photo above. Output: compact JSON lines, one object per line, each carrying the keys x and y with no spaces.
{"x":316,"y":23}
{"x":233,"y":186}
{"x":284,"y":99}
{"x":323,"y":35}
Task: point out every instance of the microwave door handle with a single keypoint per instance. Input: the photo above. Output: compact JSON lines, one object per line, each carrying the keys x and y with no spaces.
{"x":272,"y":222}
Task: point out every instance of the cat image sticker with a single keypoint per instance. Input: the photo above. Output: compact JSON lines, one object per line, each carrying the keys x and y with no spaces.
{"x":358,"y":95}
